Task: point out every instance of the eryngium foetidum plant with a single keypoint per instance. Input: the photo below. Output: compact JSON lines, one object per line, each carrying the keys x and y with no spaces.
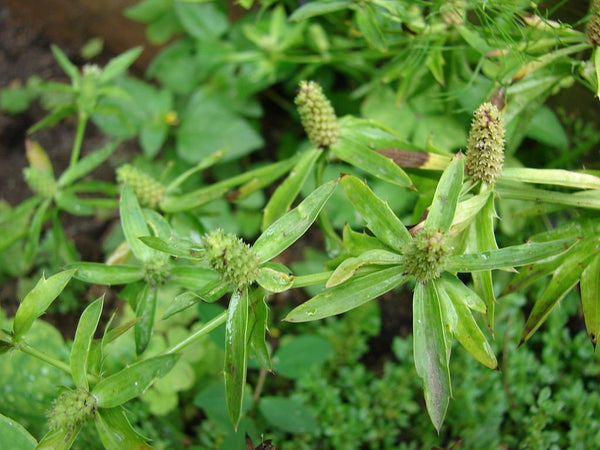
{"x":485,"y":145}
{"x":148,"y":191}
{"x":317,"y":115}
{"x":592,"y":28}
{"x":235,"y":260}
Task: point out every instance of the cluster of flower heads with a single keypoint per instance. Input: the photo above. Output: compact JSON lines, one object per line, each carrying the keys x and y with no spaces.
{"x":485,"y":145}
{"x":317,"y":115}
{"x":426,"y":256}
{"x":72,"y":409}
{"x":235,"y":260}
{"x":148,"y":191}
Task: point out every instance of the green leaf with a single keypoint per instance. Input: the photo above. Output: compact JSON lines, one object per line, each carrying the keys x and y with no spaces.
{"x":554,"y":177}
{"x":134,"y":224}
{"x":115,"y":431}
{"x":99,"y":273}
{"x":68,"y":201}
{"x":66,"y":65}
{"x":300,"y":353}
{"x":194,"y":277}
{"x":274,"y":280}
{"x":258,"y":325}
{"x":288,"y":228}
{"x":86,"y":165}
{"x":313,"y":9}
{"x":118,"y":65}
{"x":236,"y":331}
{"x":14,"y":224}
{"x":445,"y":199}
{"x":367,"y":24}
{"x":349,"y":295}
{"x":35,"y":230}
{"x":286,"y":192}
{"x":467,"y":332}
{"x":132,"y":381}
{"x":380,"y":219}
{"x":203,"y":21}
{"x":181,"y":248}
{"x":58,"y":440}
{"x":357,"y":243}
{"x":37,"y":301}
{"x":288,"y":415}
{"x":430,"y":351}
{"x":508,"y":257}
{"x":456,"y":289}
{"x":145,"y":309}
{"x":54,"y":117}
{"x":590,"y":298}
{"x":14,"y":436}
{"x":349,"y":266}
{"x":564,"y":277}
{"x":207,"y":124}
{"x":82,"y":343}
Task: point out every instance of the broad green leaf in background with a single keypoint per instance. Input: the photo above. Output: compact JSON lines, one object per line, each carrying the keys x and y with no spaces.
{"x":236,"y":354}
{"x":430,"y":351}
{"x":288,"y":414}
{"x":37,"y":301}
{"x":132,"y":381}
{"x":82,"y":343}
{"x":297,"y":354}
{"x":313,"y":9}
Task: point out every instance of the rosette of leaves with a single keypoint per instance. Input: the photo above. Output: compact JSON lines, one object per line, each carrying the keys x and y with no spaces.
{"x":442,"y":303}
{"x":97,"y":397}
{"x":232,"y":266}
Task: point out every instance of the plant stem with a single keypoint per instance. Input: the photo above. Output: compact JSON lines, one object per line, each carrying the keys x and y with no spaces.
{"x":81,"y":125}
{"x":207,"y":328}
{"x":309,"y":280}
{"x":25,"y":348}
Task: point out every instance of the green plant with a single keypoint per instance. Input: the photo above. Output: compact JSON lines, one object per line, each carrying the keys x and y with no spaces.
{"x":404,"y":79}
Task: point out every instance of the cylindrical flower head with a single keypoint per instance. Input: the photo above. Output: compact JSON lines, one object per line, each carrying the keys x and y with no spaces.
{"x":485,"y":146}
{"x":317,"y":115}
{"x":148,"y":191}
{"x":235,"y":260}
{"x":592,"y":28}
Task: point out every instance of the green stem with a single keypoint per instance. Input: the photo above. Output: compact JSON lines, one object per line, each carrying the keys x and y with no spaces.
{"x":81,"y":125}
{"x":334,"y":242}
{"x":309,"y":280}
{"x":207,"y":328}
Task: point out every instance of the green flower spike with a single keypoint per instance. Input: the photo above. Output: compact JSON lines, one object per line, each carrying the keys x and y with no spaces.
{"x":317,"y":115}
{"x":427,"y":254}
{"x":232,"y":258}
{"x":485,"y":146}
{"x":148,"y":191}
{"x":71,"y":410}
{"x":592,"y":28}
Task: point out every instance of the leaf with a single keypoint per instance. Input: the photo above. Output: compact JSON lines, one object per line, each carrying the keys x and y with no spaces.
{"x":207,"y":124}
{"x":349,"y":295}
{"x":58,"y":439}
{"x":132,"y":381}
{"x":313,"y":9}
{"x":134,"y":224}
{"x":274,"y":280}
{"x":194,"y":277}
{"x":145,"y":309}
{"x":457,"y":289}
{"x":258,"y":325}
{"x":14,"y":223}
{"x":14,"y":435}
{"x":86,"y":165}
{"x":55,"y":116}
{"x":181,"y":248}
{"x":430,"y":352}
{"x":554,"y":177}
{"x":288,"y":414}
{"x":590,"y":298}
{"x":115,"y":431}
{"x":202,"y":20}
{"x":445,"y":199}
{"x":300,"y":353}
{"x":236,"y":331}
{"x":349,"y":266}
{"x":564,"y":277}
{"x":118,"y":65}
{"x":288,"y":228}
{"x":508,"y":257}
{"x":37,"y":301}
{"x":380,"y":219}
{"x":99,"y":273}
{"x":82,"y":343}
{"x":286,"y":192}
{"x":35,"y":229}
{"x":66,"y":65}
{"x":367,"y":24}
